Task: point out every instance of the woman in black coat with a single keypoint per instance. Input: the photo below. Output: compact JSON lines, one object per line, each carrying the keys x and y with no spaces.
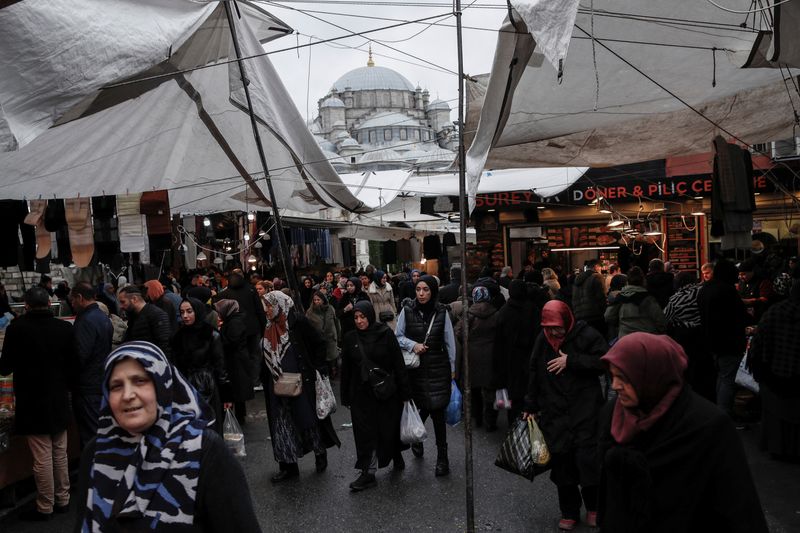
{"x":197,"y":353}
{"x":237,"y":357}
{"x":292,"y":345}
{"x":672,"y":461}
{"x":564,"y":395}
{"x":345,"y":309}
{"x":430,"y":382}
{"x":376,"y":423}
{"x":518,"y":323}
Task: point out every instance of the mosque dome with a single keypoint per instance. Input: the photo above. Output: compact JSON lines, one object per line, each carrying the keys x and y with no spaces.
{"x":332,"y":102}
{"x":372,"y":78}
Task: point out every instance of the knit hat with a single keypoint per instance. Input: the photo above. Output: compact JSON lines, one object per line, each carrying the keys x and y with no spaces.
{"x":480,"y":294}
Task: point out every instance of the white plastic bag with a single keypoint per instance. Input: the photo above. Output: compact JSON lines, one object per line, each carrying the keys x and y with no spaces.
{"x":233,"y":435}
{"x":501,"y":399}
{"x":744,"y":378}
{"x":326,"y":401}
{"x":412,"y":430}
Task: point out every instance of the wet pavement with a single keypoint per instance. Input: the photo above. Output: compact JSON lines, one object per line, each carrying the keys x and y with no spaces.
{"x":414,"y":500}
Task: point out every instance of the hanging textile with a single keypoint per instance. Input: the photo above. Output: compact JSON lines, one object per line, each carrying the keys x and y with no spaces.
{"x":390,"y":252}
{"x":131,"y":223}
{"x":404,"y":251}
{"x":432,"y":247}
{"x":12,"y":218}
{"x":81,"y":235}
{"x":106,"y":234}
{"x":416,"y":252}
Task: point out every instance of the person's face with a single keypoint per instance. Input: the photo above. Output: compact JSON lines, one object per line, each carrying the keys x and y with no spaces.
{"x":307,"y":282}
{"x":364,"y":281}
{"x":557,"y":332}
{"x":792,"y":266}
{"x":329,"y":277}
{"x":272,"y":311}
{"x":77,"y":302}
{"x":351,"y":288}
{"x":510,"y":274}
{"x":187,"y":313}
{"x":132,"y":397}
{"x":414,"y":276}
{"x":598,"y":268}
{"x":124,"y":301}
{"x":708,"y":274}
{"x":361,"y":320}
{"x":260,"y":290}
{"x":626,"y":394}
{"x":385,"y":279}
{"x":316,"y":300}
{"x":423,"y":292}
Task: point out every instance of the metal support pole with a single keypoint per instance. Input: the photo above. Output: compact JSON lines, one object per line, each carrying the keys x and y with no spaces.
{"x":284,"y":249}
{"x":463,"y":219}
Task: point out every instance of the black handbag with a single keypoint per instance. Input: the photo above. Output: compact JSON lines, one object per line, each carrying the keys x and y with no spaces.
{"x":382,"y":382}
{"x":385,"y":316}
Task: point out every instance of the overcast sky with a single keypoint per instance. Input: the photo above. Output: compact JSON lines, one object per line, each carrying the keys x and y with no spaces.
{"x":436,"y":44}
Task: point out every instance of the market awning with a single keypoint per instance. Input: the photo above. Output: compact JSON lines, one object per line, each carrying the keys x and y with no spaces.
{"x":79,"y":65}
{"x":626,"y":98}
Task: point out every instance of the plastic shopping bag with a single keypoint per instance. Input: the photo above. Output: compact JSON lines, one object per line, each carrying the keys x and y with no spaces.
{"x":517,"y":452}
{"x":744,"y":378}
{"x":453,"y":414}
{"x":501,"y":399}
{"x":412,"y":430}
{"x":233,"y":435}
{"x":326,"y":401}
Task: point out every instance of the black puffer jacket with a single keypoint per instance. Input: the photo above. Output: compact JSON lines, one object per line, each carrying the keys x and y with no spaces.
{"x":430,"y":382}
{"x":589,"y":296}
{"x":518,"y":324}
{"x":484,"y":343}
{"x":249,"y":304}
{"x":569,"y":402}
{"x":661,"y":286}
{"x":237,"y":359}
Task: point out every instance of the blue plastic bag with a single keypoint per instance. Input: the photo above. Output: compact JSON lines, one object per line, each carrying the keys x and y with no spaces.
{"x":453,"y":416}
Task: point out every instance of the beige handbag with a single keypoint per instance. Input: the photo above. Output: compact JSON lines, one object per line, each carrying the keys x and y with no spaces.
{"x":289,"y":385}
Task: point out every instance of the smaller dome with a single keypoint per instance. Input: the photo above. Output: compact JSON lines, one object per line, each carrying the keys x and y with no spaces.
{"x":341,"y":135}
{"x":438,"y":104}
{"x":350,"y":142}
{"x":332,"y":102}
{"x":380,"y":156}
{"x":437,"y":155}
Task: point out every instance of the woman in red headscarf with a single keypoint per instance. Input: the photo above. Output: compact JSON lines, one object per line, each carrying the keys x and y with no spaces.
{"x":565,"y":396}
{"x":672,"y":461}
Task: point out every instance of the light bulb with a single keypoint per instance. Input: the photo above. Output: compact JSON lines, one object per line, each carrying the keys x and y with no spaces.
{"x":246,"y":236}
{"x":251,"y":216}
{"x":218,"y":260}
{"x":229,"y":257}
{"x":251,"y":259}
{"x":206,"y":222}
{"x":258,"y":245}
{"x":201,"y":257}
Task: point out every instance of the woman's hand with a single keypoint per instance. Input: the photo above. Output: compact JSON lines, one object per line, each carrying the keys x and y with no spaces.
{"x":558,"y":364}
{"x":528,"y":416}
{"x":420,"y":348}
{"x":227,"y":405}
{"x":348,"y":308}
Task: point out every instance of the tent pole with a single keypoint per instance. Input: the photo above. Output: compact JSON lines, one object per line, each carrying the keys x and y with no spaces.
{"x":463,"y":219}
{"x":284,"y":249}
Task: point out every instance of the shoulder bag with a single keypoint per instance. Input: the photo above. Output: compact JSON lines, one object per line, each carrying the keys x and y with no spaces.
{"x":284,"y":384}
{"x":412,"y":359}
{"x":382,"y":382}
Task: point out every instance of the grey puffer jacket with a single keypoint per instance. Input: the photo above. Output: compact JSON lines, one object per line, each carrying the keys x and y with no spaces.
{"x":634,"y":309}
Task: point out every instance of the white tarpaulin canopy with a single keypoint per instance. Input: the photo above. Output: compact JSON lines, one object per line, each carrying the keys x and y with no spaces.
{"x":614,"y":114}
{"x":189,"y":133}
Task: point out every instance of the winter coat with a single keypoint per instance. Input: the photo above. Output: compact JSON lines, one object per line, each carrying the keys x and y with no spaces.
{"x":93,"y":336}
{"x":376,"y":423}
{"x":237,"y":359}
{"x":634,"y":309}
{"x":249,"y":305}
{"x":723,"y":318}
{"x":661,"y":285}
{"x":198,"y":354}
{"x":687,"y":473}
{"x":518,"y":324}
{"x":309,"y":352}
{"x":588,"y":296}
{"x":452,"y":292}
{"x":430,"y":381}
{"x":323,"y":319}
{"x":346,"y":318}
{"x":119,"y":328}
{"x":484,"y":344}
{"x":382,"y":299}
{"x":570,"y":402}
{"x":166,"y":305}
{"x":39,"y":350}
{"x":151,"y":324}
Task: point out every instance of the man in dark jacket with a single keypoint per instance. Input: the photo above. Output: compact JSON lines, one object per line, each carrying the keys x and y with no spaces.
{"x":589,"y":297}
{"x":660,"y":283}
{"x":93,"y":335}
{"x":39,"y":350}
{"x":146,"y":322}
{"x":724,"y":318}
{"x":250,"y":306}
{"x":451,"y":292}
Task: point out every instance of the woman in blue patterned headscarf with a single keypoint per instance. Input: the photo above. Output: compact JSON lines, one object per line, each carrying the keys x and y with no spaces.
{"x":154,"y":462}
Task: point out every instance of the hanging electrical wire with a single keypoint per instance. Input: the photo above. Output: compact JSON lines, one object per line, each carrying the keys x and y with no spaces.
{"x":747,"y":11}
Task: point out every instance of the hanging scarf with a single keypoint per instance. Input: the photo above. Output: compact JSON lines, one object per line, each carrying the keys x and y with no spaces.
{"x":654,"y":365}
{"x":276,"y":334}
{"x":154,"y":475}
{"x":557,"y":313}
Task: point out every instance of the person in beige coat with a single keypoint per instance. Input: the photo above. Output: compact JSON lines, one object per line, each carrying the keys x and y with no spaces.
{"x":382,"y":298}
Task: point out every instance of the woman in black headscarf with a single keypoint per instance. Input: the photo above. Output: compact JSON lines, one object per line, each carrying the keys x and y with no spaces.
{"x":346,"y":307}
{"x":424,"y":327}
{"x":197,"y":353}
{"x":376,"y":423}
{"x":307,"y":291}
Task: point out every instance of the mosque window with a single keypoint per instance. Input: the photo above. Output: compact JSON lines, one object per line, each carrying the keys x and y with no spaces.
{"x":416,"y":135}
{"x":373,"y":137}
{"x":387,"y":134}
{"x":403,"y":134}
{"x":427,"y":135}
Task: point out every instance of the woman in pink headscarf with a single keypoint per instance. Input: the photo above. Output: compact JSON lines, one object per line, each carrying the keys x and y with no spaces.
{"x":672,"y":461}
{"x":564,"y":395}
